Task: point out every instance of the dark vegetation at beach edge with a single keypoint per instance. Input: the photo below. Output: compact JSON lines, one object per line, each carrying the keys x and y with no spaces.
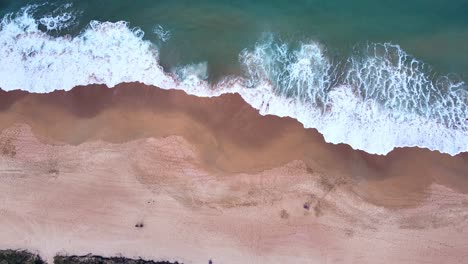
{"x":25,"y":257}
{"x":19,"y":256}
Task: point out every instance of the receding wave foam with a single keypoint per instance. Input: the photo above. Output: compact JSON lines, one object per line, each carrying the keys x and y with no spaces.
{"x":379,"y":99}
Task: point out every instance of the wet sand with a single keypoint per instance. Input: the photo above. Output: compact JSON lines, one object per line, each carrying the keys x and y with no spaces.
{"x":140,"y":171}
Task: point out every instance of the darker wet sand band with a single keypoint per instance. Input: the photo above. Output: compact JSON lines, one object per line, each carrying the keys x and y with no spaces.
{"x":230,"y":136}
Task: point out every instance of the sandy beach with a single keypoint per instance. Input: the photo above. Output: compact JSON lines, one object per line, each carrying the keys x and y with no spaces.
{"x":143,"y":172}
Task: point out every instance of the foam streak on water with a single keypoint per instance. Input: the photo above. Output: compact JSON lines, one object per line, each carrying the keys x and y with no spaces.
{"x":163,"y":35}
{"x":381,"y":98}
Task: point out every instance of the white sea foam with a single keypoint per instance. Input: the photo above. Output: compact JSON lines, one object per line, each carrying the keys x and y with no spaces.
{"x":104,"y":53}
{"x":197,"y":71}
{"x":382,"y":99}
{"x":62,"y":18}
{"x":304,"y":73}
{"x":163,"y":35}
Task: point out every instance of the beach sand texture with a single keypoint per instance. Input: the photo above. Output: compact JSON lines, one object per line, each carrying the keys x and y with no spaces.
{"x":144,"y":172}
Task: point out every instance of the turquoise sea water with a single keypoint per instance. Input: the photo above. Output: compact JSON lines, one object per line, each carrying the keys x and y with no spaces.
{"x":372,"y":74}
{"x":434,"y":31}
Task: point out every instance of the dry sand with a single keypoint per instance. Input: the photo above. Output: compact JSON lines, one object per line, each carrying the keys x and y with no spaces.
{"x":210,"y":178}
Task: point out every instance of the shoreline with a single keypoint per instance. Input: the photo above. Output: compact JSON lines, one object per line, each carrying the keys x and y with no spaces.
{"x":133,"y":111}
{"x":7,"y":98}
{"x":211,"y":178}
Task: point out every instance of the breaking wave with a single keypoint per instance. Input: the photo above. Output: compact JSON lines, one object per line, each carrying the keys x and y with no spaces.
{"x":378,"y":99}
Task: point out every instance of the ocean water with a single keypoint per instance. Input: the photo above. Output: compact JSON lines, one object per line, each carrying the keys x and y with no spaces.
{"x":372,"y":74}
